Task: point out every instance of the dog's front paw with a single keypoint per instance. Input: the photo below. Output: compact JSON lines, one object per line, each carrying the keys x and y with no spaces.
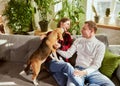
{"x":35,"y":82}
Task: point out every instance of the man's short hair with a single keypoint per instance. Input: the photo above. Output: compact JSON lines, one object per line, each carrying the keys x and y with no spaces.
{"x":91,"y":25}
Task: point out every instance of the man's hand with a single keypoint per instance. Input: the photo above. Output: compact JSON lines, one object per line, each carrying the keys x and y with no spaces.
{"x":79,"y":73}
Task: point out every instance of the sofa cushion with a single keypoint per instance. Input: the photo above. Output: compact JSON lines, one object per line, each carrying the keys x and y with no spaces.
{"x":110,"y":63}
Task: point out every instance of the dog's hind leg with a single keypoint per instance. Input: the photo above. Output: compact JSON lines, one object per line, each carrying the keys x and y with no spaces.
{"x":36,"y":69}
{"x":27,"y":69}
{"x":25,"y":73}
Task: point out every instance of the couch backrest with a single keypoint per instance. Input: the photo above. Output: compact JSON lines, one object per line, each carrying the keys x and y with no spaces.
{"x":18,"y":47}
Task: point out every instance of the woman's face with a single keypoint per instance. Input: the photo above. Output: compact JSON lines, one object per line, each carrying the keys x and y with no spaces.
{"x":65,"y":25}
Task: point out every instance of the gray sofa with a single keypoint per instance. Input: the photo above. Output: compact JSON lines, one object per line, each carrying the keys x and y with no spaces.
{"x":17,"y":50}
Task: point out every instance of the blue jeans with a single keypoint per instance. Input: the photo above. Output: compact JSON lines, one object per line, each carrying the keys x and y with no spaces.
{"x":63,"y":70}
{"x":93,"y":79}
{"x":59,"y":76}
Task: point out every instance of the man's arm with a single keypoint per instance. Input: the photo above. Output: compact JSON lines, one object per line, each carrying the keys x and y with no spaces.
{"x":70,"y":51}
{"x":67,"y":53}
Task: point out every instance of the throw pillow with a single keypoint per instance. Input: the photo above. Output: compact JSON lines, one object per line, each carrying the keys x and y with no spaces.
{"x":110,"y":63}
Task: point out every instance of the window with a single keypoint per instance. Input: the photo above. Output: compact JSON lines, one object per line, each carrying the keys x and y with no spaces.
{"x":101,"y":6}
{"x":58,"y":7}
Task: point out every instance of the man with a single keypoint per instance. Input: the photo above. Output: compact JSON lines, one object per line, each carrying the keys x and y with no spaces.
{"x":90,"y":53}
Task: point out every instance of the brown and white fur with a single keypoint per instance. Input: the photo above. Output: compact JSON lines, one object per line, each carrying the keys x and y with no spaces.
{"x":41,"y":54}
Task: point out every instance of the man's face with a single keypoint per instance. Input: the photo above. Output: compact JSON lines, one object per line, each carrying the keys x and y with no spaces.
{"x":86,"y":32}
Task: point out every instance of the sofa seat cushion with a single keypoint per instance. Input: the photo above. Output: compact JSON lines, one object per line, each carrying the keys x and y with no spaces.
{"x":110,"y":63}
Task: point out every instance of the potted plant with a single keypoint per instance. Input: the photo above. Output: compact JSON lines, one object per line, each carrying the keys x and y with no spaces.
{"x":96,"y":17}
{"x":19,"y":16}
{"x":73,"y":10}
{"x":45,"y":9}
{"x":107,"y":16}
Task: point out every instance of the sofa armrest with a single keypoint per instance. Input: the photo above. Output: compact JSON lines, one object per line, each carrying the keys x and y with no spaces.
{"x":115,"y":49}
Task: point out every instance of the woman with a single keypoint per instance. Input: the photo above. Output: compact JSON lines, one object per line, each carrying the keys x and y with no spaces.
{"x":65,"y":44}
